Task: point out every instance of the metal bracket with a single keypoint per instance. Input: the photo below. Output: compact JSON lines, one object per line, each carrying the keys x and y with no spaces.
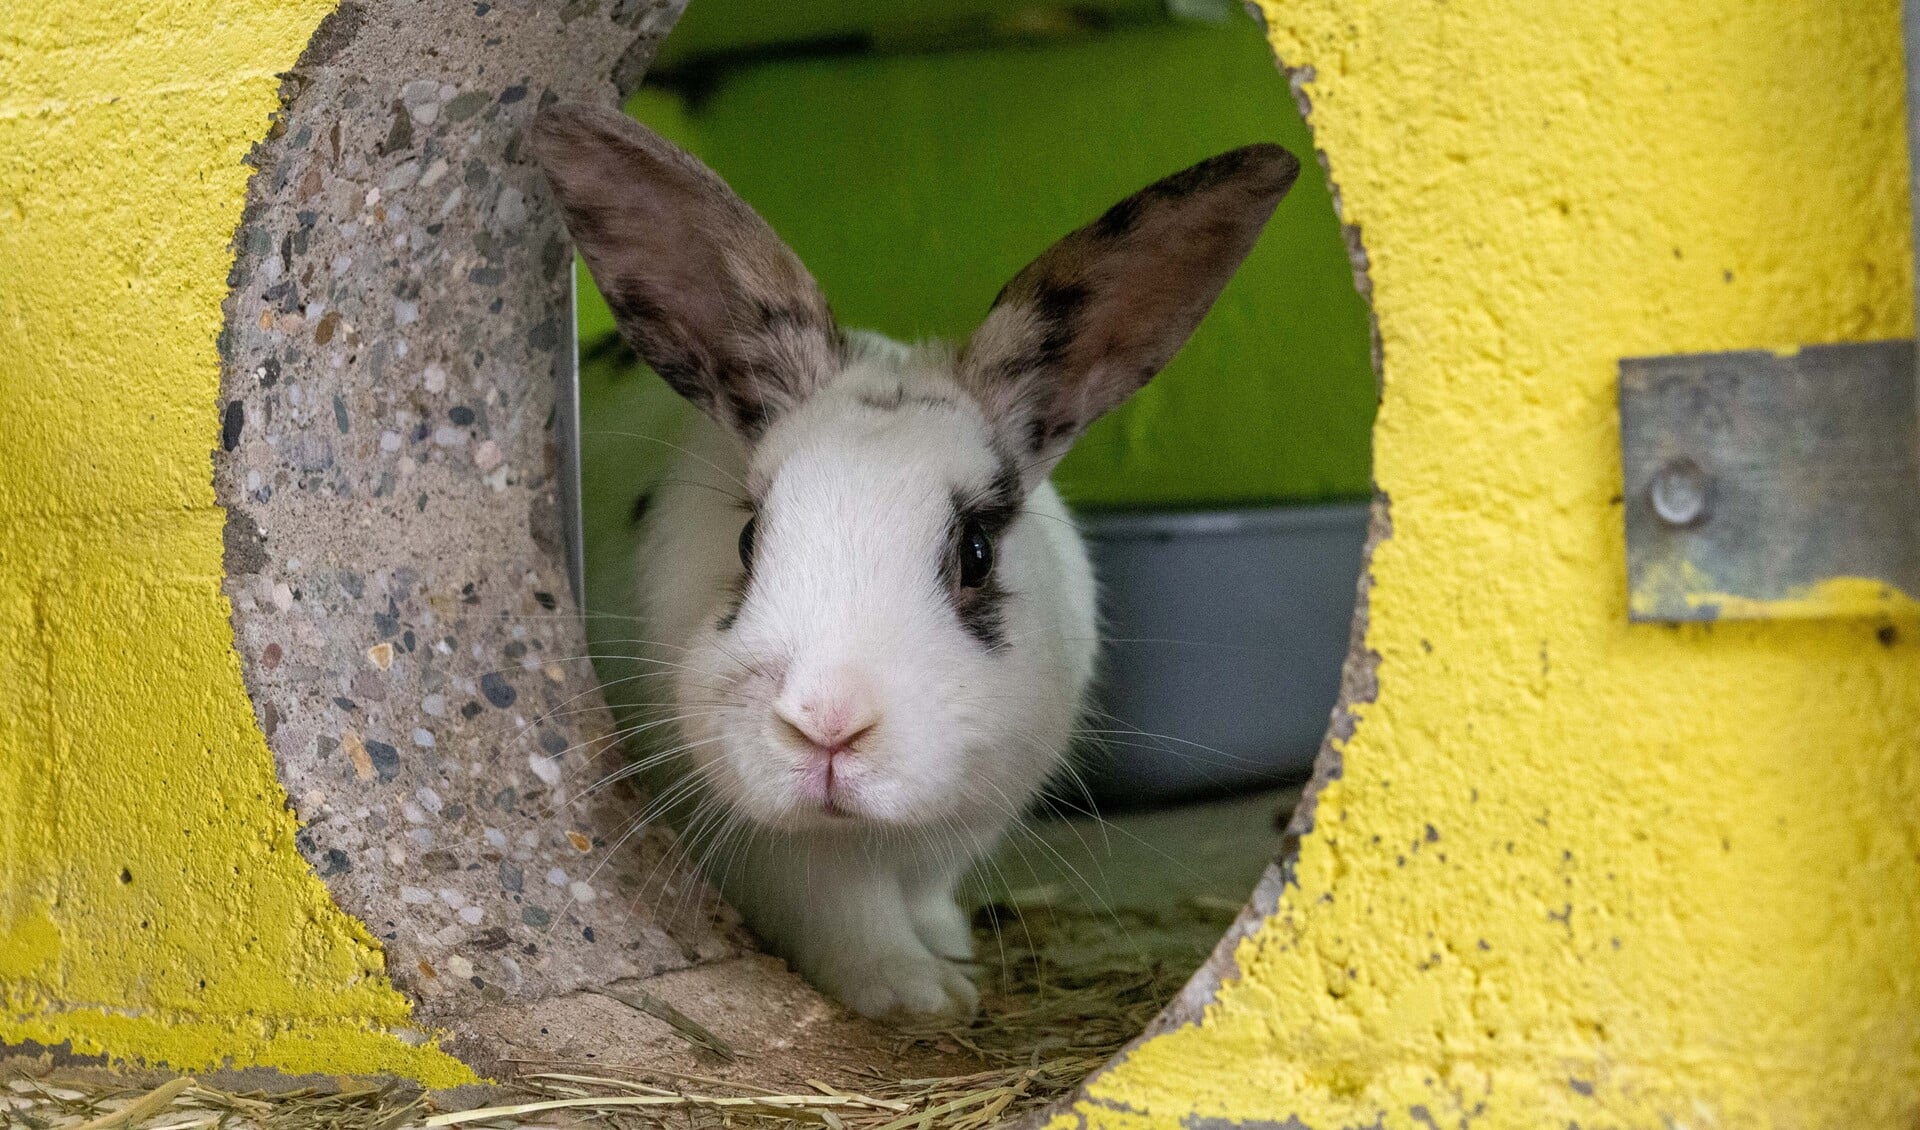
{"x":1761,"y":486}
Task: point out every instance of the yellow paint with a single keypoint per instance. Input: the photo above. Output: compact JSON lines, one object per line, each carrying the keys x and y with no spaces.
{"x":1833,"y":597}
{"x":152,"y":903}
{"x":1580,"y":871}
{"x":1577,"y":871}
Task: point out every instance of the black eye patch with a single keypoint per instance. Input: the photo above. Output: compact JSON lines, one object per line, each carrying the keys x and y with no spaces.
{"x":980,"y":519}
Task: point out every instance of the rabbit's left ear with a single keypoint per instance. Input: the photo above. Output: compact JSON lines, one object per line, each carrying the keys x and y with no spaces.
{"x":1091,"y":320}
{"x":698,"y":283}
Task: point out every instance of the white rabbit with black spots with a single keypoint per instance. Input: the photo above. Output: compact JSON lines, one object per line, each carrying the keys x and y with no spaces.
{"x":876,"y":613}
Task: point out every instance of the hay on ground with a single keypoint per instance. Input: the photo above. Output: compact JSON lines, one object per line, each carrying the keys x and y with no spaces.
{"x":1062,"y":988}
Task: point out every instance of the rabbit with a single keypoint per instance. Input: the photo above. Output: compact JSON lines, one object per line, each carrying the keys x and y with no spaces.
{"x":874,"y":614}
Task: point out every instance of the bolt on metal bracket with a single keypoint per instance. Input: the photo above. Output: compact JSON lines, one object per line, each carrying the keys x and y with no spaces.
{"x":1762,"y":486}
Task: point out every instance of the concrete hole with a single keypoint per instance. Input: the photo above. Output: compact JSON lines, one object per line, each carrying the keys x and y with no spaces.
{"x":396,"y":465}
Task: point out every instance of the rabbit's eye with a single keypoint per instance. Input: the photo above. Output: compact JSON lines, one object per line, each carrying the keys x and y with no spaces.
{"x":976,"y":555}
{"x":746,"y":542}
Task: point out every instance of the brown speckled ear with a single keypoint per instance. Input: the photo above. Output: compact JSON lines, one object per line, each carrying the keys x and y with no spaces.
{"x":1089,"y":322}
{"x":698,"y":283}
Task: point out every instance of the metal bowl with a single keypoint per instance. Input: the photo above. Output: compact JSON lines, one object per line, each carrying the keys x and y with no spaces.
{"x":1224,"y":633}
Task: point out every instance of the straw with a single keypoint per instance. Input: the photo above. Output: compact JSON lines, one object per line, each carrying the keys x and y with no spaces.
{"x":142,"y":1108}
{"x":1058,"y":999}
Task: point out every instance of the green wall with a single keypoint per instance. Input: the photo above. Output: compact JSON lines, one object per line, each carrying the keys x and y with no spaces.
{"x":915,"y":184}
{"x":717,"y":27}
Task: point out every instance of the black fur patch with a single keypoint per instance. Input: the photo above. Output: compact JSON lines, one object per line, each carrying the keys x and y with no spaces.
{"x":982,"y":611}
{"x":586,"y":225}
{"x":640,"y":507}
{"x":741,"y":384}
{"x":749,"y":414}
{"x":1118,"y":220}
{"x":1204,"y":175}
{"x":1047,"y":426}
{"x":888,"y":401}
{"x":735,"y":600}
{"x":1036,"y":434}
{"x":653,"y":335}
{"x":1007,"y":496}
{"x":895,"y":398}
{"x":1058,"y":303}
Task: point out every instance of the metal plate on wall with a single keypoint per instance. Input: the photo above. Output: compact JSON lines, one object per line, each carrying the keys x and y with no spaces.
{"x":1762,"y":486}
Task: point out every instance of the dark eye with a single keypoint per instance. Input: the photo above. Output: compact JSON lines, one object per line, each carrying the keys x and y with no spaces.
{"x":976,"y":555}
{"x":746,"y":542}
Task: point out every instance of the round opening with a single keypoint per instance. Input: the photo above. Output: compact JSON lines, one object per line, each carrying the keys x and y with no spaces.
{"x":397,"y":383}
{"x":915,"y":157}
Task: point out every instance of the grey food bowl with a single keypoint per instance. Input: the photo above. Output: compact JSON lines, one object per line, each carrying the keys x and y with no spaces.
{"x":1225,"y":631}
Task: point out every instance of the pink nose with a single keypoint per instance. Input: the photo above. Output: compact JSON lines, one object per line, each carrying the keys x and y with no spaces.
{"x":830,"y":724}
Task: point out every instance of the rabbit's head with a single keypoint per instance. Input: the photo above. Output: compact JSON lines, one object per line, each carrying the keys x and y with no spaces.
{"x":880,"y":637}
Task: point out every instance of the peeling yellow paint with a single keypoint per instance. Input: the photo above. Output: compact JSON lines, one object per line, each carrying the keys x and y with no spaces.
{"x":1582,"y":872}
{"x":1576,"y":872}
{"x":1832,"y":597}
{"x":152,"y":904}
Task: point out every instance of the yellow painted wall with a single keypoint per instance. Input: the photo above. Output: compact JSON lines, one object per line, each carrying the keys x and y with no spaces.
{"x":1578,"y":872}
{"x":152,"y":904}
{"x":1581,"y":872}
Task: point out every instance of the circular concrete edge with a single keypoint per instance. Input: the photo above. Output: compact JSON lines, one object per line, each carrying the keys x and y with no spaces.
{"x":398,"y":325}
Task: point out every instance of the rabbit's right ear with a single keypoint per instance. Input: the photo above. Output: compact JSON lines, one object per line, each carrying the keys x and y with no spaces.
{"x":700,"y":286}
{"x":1091,"y":320}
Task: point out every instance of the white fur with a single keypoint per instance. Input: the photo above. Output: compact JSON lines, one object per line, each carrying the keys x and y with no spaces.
{"x":847,"y":599}
{"x":856,"y":732}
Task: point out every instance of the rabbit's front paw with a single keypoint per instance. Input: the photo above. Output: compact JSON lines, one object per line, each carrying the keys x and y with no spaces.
{"x":904,"y":984}
{"x":942,"y":927}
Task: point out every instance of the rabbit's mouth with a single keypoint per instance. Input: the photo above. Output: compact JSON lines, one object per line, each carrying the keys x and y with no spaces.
{"x":823,"y":787}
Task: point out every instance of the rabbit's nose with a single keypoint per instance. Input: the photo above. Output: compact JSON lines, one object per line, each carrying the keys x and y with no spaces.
{"x":828,"y":720}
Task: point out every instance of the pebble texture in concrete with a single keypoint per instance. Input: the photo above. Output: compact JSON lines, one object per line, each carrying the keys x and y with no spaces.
{"x":398,"y":324}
